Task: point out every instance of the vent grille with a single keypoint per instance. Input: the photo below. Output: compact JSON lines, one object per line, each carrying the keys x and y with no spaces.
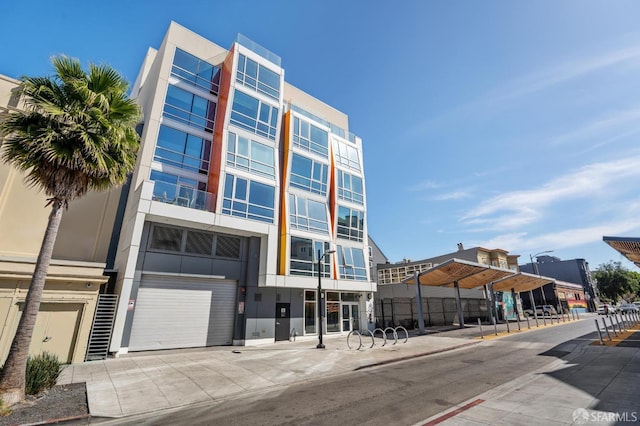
{"x":199,"y":243}
{"x":164,"y":238}
{"x":100,"y":336}
{"x":228,"y":247}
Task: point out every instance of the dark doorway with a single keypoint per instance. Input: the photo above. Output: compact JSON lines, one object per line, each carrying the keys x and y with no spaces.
{"x":283,"y":320}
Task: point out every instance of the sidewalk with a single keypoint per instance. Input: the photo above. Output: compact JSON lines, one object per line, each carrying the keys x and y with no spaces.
{"x":592,"y":385}
{"x":151,"y":381}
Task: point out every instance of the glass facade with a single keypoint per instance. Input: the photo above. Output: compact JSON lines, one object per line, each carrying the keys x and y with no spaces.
{"x":254,"y":115}
{"x":351,"y":264}
{"x":249,"y":155}
{"x":308,"y":215}
{"x":248,"y":199}
{"x":309,"y":174}
{"x":309,"y":137}
{"x":189,"y":108}
{"x":303,"y":255}
{"x":183,"y":150}
{"x":350,"y":187}
{"x":347,"y":155}
{"x":350,"y":224}
{"x":194,"y":71}
{"x":258,"y":77}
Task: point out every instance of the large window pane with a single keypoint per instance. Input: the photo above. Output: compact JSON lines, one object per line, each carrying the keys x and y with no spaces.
{"x":309,"y":175}
{"x":308,"y":215}
{"x":251,"y":200}
{"x":195,"y":71}
{"x":258,"y":77}
{"x":252,"y":114}
{"x":250,"y":155}
{"x":179,"y":149}
{"x":188,"y":108}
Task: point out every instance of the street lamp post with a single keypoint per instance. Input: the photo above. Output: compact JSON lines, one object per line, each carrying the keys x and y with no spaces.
{"x":537,"y":271}
{"x":320,"y":345}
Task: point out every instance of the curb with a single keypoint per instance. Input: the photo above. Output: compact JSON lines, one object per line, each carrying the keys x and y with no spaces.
{"x":63,"y":419}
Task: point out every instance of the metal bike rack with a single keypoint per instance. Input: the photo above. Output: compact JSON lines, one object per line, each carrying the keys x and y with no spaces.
{"x":384,"y":335}
{"x":395,"y":334}
{"x":406,"y":333}
{"x":357,"y":333}
{"x":373,"y":340}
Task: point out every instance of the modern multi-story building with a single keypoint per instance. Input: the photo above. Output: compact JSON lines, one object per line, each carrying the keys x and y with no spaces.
{"x":572,"y":271}
{"x":245,"y":191}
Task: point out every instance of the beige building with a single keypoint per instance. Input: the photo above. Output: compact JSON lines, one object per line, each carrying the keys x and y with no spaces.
{"x":76,"y":273}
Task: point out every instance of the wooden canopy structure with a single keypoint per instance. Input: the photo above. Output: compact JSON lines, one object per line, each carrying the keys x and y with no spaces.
{"x":521,"y":282}
{"x":459,"y":273}
{"x":628,"y":247}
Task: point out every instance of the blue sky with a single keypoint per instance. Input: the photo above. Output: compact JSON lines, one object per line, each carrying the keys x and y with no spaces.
{"x":503,"y":124}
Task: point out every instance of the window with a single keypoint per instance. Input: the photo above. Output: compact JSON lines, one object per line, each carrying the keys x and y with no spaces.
{"x":254,"y":115}
{"x":309,"y":137}
{"x":165,"y":238}
{"x":180,"y":190}
{"x":347,"y":155}
{"x":309,"y":175}
{"x":183,"y":150}
{"x":246,"y":154}
{"x":351,"y":263}
{"x":188,"y":108}
{"x":310,"y":312}
{"x":195,"y":71}
{"x":304,"y":257}
{"x":248,"y":199}
{"x":350,"y":187}
{"x":308,"y":215}
{"x":258,"y":77}
{"x":350,"y":224}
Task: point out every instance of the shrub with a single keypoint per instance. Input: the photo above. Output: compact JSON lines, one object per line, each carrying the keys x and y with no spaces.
{"x":42,"y":372}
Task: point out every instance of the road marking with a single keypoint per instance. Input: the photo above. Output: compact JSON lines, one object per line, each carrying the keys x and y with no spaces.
{"x":454,"y":413}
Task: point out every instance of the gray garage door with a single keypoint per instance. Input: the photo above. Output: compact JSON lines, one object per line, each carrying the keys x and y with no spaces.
{"x":175,"y":312}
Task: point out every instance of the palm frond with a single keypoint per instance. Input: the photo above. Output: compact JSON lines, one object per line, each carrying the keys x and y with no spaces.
{"x":77,"y":130}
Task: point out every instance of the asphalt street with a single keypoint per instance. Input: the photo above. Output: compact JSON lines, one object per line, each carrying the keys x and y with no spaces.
{"x":401,"y":393}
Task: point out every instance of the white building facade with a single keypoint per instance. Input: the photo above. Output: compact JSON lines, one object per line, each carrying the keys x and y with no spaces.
{"x":241,"y":180}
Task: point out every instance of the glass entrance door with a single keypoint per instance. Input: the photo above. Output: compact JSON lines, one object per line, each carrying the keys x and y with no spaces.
{"x":350,"y":317}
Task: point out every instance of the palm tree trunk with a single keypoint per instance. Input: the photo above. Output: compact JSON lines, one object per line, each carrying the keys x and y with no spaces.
{"x":12,"y":377}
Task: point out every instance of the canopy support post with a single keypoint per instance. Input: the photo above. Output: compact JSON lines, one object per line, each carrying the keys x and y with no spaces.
{"x":459,"y":302}
{"x":419,"y":303}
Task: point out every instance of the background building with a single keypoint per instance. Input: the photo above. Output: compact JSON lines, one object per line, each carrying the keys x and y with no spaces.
{"x":241,"y":180}
{"x":574,"y":271}
{"x":395,"y":302}
{"x":76,"y":274}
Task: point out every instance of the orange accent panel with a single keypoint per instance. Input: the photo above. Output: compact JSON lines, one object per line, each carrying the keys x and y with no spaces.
{"x":214,"y":183}
{"x":284,"y":199}
{"x":333,"y":206}
{"x":333,"y":194}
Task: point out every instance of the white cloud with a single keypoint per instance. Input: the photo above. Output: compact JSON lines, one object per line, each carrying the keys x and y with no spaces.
{"x":513,"y":209}
{"x":622,"y":57}
{"x":522,"y":241}
{"x":566,"y":71}
{"x":455,"y":195}
{"x":599,"y":126}
{"x":425,"y":185}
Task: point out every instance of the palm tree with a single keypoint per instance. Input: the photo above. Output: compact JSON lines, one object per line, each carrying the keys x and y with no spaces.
{"x":76,"y":133}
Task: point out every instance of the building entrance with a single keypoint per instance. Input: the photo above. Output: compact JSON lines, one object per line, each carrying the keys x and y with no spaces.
{"x":350,"y":317}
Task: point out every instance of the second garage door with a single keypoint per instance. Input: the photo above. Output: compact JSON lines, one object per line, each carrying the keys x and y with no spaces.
{"x":175,"y":312}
